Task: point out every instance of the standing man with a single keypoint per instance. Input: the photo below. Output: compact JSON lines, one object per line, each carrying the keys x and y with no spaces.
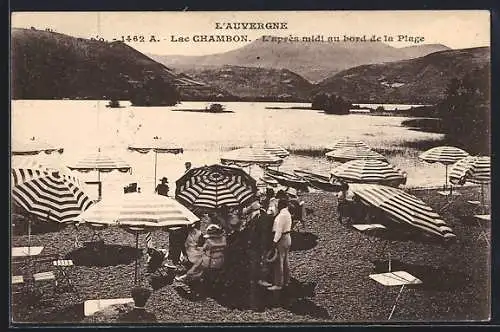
{"x":282,"y":241}
{"x":176,"y":235}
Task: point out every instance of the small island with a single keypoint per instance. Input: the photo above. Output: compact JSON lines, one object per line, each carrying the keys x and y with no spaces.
{"x":212,"y":108}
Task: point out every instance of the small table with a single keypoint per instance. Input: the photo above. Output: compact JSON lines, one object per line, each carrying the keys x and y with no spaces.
{"x":26,"y":251}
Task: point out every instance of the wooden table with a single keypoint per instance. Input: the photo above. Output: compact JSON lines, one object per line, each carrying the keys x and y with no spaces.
{"x":26,"y":251}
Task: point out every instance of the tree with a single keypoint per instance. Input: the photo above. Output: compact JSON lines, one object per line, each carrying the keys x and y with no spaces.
{"x":465,"y":111}
{"x":155,"y":92}
{"x":331,"y":104}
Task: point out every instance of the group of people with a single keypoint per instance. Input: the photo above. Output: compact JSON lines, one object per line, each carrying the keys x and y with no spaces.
{"x":268,"y":219}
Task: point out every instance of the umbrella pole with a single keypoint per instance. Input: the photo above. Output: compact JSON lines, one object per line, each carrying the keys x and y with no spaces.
{"x":136,"y":259}
{"x":154,"y":180}
{"x":445,"y":177}
{"x":99,"y":189}
{"x":482,"y":198}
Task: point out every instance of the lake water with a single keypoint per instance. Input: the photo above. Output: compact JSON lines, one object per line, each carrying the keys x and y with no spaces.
{"x":82,"y":126}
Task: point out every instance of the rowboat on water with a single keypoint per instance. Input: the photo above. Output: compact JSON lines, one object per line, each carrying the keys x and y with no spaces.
{"x":317,"y":181}
{"x":288,"y":179}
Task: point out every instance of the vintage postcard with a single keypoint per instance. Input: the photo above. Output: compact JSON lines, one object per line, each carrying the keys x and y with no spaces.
{"x":250,"y":167}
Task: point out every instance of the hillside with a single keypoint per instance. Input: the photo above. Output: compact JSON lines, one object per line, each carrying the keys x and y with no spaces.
{"x":422,"y":80}
{"x":49,"y":65}
{"x":313,"y":61}
{"x":250,"y":83}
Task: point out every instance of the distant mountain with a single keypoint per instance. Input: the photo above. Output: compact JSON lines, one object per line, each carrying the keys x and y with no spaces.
{"x":312,"y":60}
{"x":49,"y":65}
{"x":421,"y":80}
{"x":250,"y":83}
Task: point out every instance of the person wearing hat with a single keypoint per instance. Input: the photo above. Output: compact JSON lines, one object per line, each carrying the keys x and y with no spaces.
{"x":344,"y":200}
{"x":212,"y":254}
{"x":296,"y":208}
{"x":282,"y":242}
{"x":187,"y":165}
{"x":162,"y":188}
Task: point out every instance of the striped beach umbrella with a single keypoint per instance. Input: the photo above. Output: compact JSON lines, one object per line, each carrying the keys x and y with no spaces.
{"x":146,"y":210}
{"x":102,"y":163}
{"x":26,"y":168}
{"x":138,"y":213}
{"x":215,"y":186}
{"x":250,"y":156}
{"x":445,"y":155}
{"x":347,"y":143}
{"x":51,"y":196}
{"x":353,"y":153}
{"x":157,"y":145}
{"x":402,"y":207}
{"x":272,"y":149}
{"x":472,"y":169}
{"x":33,"y":147}
{"x":370,"y":171}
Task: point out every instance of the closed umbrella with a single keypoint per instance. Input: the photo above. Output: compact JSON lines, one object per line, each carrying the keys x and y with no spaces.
{"x":472,"y":169}
{"x":215,"y":186}
{"x":33,"y":147}
{"x":445,"y":155}
{"x":347,"y":143}
{"x":273,"y":149}
{"x":158,"y":145}
{"x":404,"y":208}
{"x":353,"y":153}
{"x":138,"y":213}
{"x":369,"y":171}
{"x":101,"y":162}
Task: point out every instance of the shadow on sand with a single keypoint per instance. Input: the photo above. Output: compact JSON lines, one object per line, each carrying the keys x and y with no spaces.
{"x":101,"y":254}
{"x":303,"y":241}
{"x":433,"y":278}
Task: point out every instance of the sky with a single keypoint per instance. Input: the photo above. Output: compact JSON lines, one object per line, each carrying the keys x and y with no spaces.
{"x":455,"y":29}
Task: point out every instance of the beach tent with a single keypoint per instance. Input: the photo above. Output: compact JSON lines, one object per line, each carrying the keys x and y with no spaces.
{"x":353,"y":153}
{"x":369,"y":171}
{"x":215,"y":186}
{"x":445,"y":155}
{"x":157,"y":145}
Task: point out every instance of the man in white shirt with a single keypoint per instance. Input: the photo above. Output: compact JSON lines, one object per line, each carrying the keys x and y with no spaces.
{"x":282,"y":241}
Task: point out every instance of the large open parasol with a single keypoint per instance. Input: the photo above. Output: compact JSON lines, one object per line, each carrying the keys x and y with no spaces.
{"x":272,"y":149}
{"x":347,"y":143}
{"x":472,"y":169}
{"x":33,"y":147}
{"x":370,"y":171}
{"x":445,"y":155}
{"x":215,"y":186}
{"x":158,"y":145}
{"x":102,"y":163}
{"x":403,"y":208}
{"x":353,"y":153}
{"x":138,"y":213}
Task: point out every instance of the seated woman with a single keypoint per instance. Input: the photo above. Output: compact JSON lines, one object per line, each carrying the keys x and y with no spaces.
{"x":193,"y":244}
{"x":212,"y":254}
